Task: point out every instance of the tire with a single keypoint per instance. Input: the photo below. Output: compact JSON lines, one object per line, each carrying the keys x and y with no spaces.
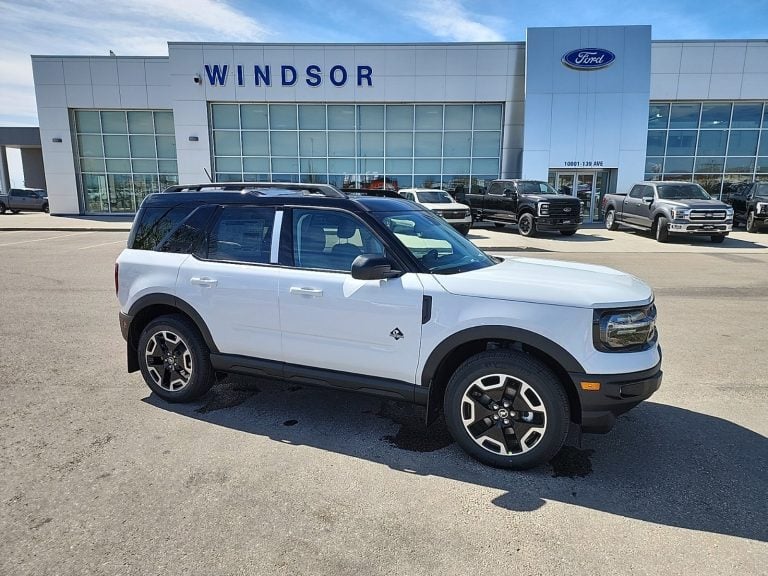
{"x":717,"y":238}
{"x":526,"y":225}
{"x":2,"y":208}
{"x":538,"y":418}
{"x":567,"y":232}
{"x":192,"y":374}
{"x":610,"y":220}
{"x":751,"y":225}
{"x":662,"y":229}
{"x":46,"y":209}
{"x":499,"y":225}
{"x":463,"y":230}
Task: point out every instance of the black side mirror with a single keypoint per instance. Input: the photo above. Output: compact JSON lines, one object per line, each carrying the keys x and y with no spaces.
{"x":510,"y":193}
{"x":373,"y":267}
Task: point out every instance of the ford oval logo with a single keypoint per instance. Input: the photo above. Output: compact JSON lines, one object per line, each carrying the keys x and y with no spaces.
{"x":588,"y":58}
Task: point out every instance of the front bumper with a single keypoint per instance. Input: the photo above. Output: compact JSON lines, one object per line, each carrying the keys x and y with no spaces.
{"x":545,"y":223}
{"x":618,"y":393}
{"x":701,"y":227}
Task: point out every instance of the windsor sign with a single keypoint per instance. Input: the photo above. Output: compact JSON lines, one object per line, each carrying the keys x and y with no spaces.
{"x":588,"y":58}
{"x":286,"y":75}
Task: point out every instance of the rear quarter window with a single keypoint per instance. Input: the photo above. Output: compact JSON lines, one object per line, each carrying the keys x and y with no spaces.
{"x":154,"y":223}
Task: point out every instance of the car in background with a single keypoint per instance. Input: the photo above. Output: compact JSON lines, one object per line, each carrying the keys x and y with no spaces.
{"x":24,"y":199}
{"x":750,"y":205}
{"x":441,"y":203}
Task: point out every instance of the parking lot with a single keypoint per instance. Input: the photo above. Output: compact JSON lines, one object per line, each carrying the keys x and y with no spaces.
{"x":101,"y":477}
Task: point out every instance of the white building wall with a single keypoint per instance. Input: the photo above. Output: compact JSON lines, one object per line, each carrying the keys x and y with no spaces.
{"x":701,"y":70}
{"x":63,"y":83}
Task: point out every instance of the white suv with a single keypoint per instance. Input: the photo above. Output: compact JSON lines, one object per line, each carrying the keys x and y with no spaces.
{"x":441,"y":203}
{"x":380,"y":296}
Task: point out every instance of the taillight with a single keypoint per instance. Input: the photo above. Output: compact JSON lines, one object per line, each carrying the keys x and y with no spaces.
{"x":117,"y":282}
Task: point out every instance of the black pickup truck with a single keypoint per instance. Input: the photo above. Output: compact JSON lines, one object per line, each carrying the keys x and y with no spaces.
{"x":666,"y":207}
{"x":531,"y":204}
{"x":750,"y":205}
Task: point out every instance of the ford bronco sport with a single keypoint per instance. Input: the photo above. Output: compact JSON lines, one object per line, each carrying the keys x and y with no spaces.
{"x":381,"y":296}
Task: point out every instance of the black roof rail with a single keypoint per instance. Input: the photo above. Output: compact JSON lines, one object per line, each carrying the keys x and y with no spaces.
{"x":261,"y":188}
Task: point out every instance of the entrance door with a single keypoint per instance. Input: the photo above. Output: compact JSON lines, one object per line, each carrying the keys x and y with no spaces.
{"x":582,"y":186}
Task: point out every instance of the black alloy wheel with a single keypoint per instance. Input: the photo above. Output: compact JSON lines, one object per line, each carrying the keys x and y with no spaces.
{"x":174,"y":359}
{"x":526,"y":225}
{"x":507,"y":409}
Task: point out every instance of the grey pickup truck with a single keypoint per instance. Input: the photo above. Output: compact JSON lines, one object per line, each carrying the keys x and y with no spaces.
{"x":24,"y":199}
{"x":667,"y":208}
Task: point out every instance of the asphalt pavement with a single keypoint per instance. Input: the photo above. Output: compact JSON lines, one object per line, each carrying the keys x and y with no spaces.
{"x":101,"y":477}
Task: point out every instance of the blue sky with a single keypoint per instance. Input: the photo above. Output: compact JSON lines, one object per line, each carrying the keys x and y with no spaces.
{"x":142,"y":27}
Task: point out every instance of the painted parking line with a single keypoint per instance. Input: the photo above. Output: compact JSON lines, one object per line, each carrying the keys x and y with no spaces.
{"x":102,"y":244}
{"x":43,"y":239}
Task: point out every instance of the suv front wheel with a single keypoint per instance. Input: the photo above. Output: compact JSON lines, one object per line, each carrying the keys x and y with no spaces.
{"x":507,"y":409}
{"x":174,"y":359}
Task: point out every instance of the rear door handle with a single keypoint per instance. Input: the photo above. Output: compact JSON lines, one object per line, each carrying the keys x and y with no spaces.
{"x":306,"y":291}
{"x":203,"y":281}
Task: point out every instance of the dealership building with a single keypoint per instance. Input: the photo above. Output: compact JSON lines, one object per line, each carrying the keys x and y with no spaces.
{"x":589,"y":109}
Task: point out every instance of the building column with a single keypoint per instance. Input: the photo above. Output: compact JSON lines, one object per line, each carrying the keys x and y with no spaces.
{"x":5,"y":177}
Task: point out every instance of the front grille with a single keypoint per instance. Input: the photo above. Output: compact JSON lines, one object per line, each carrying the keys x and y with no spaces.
{"x":564,"y":209}
{"x":700,"y":214}
{"x":452,"y":214}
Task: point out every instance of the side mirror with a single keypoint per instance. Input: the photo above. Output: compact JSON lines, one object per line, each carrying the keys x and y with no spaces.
{"x":510,"y":193}
{"x":648,"y":199}
{"x":373,"y":267}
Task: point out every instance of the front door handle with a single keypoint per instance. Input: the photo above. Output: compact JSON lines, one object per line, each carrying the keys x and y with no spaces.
{"x":203,"y":281}
{"x":306,"y":291}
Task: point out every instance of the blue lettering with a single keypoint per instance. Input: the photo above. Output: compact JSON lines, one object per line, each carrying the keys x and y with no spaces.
{"x":217,"y":74}
{"x":262,"y":75}
{"x":364,"y":73}
{"x":343,"y":75}
{"x":313,"y":73}
{"x":286,"y":81}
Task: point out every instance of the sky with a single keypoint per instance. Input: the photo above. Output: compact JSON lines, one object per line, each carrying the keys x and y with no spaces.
{"x":143,"y":27}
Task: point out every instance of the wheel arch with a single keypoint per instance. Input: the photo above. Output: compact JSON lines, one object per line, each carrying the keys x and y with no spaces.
{"x":149,"y":307}
{"x":454,"y":350}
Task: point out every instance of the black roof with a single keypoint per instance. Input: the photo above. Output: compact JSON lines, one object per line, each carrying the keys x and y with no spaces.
{"x":292,"y":195}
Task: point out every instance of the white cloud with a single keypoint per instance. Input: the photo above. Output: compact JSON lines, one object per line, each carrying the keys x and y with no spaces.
{"x":448,"y":19}
{"x":136,"y":27}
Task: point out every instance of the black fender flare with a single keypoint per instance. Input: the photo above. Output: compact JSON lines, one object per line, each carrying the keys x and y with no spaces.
{"x":175,"y":302}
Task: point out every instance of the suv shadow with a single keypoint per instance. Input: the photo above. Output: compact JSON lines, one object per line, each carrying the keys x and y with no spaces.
{"x":661,"y":464}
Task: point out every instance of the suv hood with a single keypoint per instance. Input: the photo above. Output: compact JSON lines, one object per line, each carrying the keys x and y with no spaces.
{"x":445,"y":206}
{"x":692,"y":203}
{"x":551,"y":282}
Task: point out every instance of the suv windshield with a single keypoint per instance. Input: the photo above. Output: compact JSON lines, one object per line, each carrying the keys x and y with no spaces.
{"x":682,"y":192}
{"x":762,"y":189}
{"x":434,"y":197}
{"x":434,"y":242}
{"x":534,"y":187}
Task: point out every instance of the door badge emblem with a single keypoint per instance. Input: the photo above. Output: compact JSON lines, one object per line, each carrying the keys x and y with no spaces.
{"x":396,"y":334}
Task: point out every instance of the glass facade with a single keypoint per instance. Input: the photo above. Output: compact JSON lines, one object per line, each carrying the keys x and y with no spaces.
{"x":716,"y":144}
{"x":452,"y":146}
{"x":122,"y":156}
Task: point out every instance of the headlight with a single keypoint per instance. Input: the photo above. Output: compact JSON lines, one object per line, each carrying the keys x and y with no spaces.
{"x":728,"y":212}
{"x":681,"y":213}
{"x":543,"y":208}
{"x":761,"y":207}
{"x":625,"y":330}
{"x":438,"y":212}
{"x":466,"y":213}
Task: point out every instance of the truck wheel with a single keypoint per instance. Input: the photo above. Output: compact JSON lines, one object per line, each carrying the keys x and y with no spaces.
{"x":526,"y":225}
{"x":46,"y":209}
{"x":2,"y":208}
{"x":751,"y":227}
{"x":463,"y":230}
{"x":717,"y":238}
{"x":610,"y":220}
{"x":174,"y":359}
{"x":662,"y":229}
{"x":507,"y":409}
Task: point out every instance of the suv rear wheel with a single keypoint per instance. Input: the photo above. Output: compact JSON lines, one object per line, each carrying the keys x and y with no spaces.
{"x":174,"y":359}
{"x":507,"y":409}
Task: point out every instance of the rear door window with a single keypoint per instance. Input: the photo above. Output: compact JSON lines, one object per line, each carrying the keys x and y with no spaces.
{"x":155,"y":223}
{"x":242,"y":234}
